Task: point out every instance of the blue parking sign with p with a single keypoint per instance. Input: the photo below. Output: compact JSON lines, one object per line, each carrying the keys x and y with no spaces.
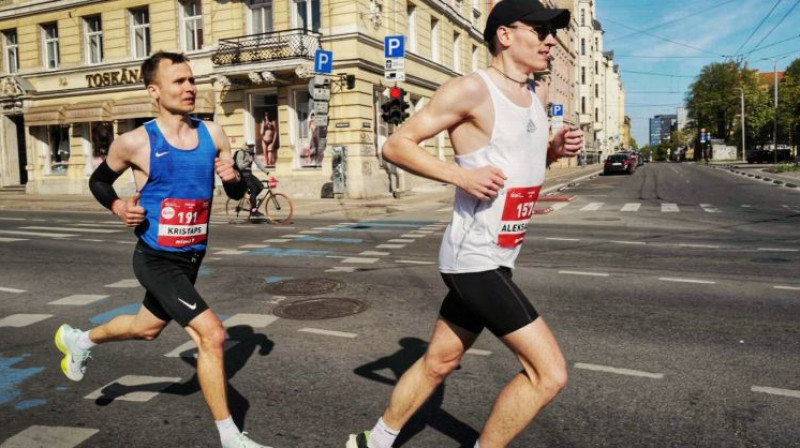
{"x":557,"y":110}
{"x":323,"y":61}
{"x":394,"y":46}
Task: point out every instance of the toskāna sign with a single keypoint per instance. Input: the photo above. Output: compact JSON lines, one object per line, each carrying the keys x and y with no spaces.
{"x":117,"y":78}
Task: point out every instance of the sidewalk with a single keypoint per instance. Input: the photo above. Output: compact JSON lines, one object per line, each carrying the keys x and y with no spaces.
{"x":384,"y":205}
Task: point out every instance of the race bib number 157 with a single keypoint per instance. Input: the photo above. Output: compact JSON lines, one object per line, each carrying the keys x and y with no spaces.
{"x":183,"y":222}
{"x":517,"y":212}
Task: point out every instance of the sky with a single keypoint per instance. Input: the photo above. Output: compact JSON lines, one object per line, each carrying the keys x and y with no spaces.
{"x":662,"y":45}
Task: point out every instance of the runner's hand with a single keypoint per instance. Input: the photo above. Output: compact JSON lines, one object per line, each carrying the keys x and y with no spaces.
{"x":483,"y":183}
{"x":568,"y":143}
{"x":129,"y":211}
{"x":225,"y":170}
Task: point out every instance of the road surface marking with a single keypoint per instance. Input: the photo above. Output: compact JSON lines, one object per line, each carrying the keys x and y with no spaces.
{"x":359,"y":260}
{"x":631,"y":207}
{"x":12,"y":290}
{"x":415,"y":262}
{"x":11,"y":240}
{"x":478,"y":352}
{"x":38,"y":436}
{"x":78,"y":299}
{"x":598,"y":368}
{"x":293,"y":236}
{"x":559,"y":205}
{"x":709,"y":208}
{"x":23,"y":320}
{"x":400,"y":241}
{"x":12,"y":219}
{"x":253,"y":246}
{"x":311,"y":232}
{"x":699,"y":246}
{"x":563,"y":239}
{"x":593,"y":206}
{"x":775,"y":391}
{"x":231,"y":252}
{"x":126,"y":283}
{"x":90,"y":240}
{"x":638,"y":243}
{"x":250,"y":320}
{"x":340,"y":334}
{"x":341,"y":269}
{"x":49,"y":235}
{"x":592,"y":274}
{"x":687,"y":280}
{"x":372,"y":253}
{"x":133,"y":388}
{"x":788,"y":288}
{"x":776,"y":249}
{"x":747,"y":206}
{"x":276,"y":240}
{"x":414,"y":235}
{"x":71,"y":229}
{"x":390,"y":246}
{"x":668,"y":207}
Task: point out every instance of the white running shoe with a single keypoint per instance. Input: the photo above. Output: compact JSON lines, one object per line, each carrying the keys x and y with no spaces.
{"x":74,"y":363}
{"x":242,"y":441}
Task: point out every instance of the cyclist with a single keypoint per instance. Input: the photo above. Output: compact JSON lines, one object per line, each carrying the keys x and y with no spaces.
{"x":244,"y":159}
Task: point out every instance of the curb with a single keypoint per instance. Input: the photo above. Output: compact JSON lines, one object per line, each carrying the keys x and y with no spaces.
{"x":560,"y":186}
{"x":733,"y":169}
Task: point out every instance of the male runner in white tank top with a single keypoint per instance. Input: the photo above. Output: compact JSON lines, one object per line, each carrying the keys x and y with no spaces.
{"x":500,"y":133}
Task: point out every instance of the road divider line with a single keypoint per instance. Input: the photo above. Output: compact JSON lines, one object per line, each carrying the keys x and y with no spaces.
{"x":776,"y":391}
{"x":635,"y":243}
{"x":559,"y":205}
{"x":591,"y":274}
{"x":788,"y":288}
{"x":12,"y":290}
{"x":776,"y":249}
{"x":619,"y":371}
{"x":563,"y":239}
{"x":687,"y":280}
{"x":699,"y":246}
{"x":340,"y":334}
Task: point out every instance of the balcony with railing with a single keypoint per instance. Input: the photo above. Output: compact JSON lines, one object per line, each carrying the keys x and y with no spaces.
{"x":274,"y":46}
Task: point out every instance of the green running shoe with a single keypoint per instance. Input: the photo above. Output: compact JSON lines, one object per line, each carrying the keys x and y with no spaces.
{"x":358,"y":440}
{"x":74,"y":363}
{"x":242,"y":441}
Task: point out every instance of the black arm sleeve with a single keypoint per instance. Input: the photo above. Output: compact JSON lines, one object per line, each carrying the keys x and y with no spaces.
{"x":101,"y":184}
{"x":235,"y":190}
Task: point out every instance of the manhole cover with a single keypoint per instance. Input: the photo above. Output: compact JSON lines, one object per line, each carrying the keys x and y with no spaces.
{"x":303,"y":287}
{"x":770,"y":260}
{"x":602,"y":219}
{"x":322,"y":308}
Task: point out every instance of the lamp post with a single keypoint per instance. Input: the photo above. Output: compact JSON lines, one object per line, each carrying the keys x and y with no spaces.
{"x":775,"y":116}
{"x":744,"y":150}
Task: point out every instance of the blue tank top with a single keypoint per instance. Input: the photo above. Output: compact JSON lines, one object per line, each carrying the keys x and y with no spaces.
{"x":177,"y":195}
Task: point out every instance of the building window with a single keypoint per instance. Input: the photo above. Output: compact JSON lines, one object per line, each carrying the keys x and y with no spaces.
{"x":101,"y":135}
{"x":93,"y":28}
{"x":583,"y":17}
{"x":140,"y":19}
{"x":307,"y":14}
{"x":412,"y":27}
{"x":583,"y":75}
{"x":597,"y":114}
{"x":260,"y":16}
{"x":192,"y":25}
{"x":309,"y":144}
{"x":597,"y":90}
{"x":436,"y":46}
{"x":265,"y":127}
{"x":596,"y":68}
{"x":51,"y":51}
{"x":457,"y":52}
{"x":583,"y":46}
{"x":58,"y":143}
{"x":12,"y":51}
{"x":597,"y":44}
{"x":475,"y":58}
{"x":583,"y":104}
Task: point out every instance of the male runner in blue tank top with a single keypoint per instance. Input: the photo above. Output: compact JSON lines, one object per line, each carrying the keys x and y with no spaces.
{"x":499,"y":131}
{"x":173,"y":159}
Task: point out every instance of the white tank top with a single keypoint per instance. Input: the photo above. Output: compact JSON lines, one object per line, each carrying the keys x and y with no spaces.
{"x":484,"y":235}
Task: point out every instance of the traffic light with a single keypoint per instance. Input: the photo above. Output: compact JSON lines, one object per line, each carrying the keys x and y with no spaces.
{"x":394,"y":110}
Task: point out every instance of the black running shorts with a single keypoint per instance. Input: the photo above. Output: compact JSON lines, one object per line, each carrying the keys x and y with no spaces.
{"x":486,"y":299}
{"x":169,"y":280}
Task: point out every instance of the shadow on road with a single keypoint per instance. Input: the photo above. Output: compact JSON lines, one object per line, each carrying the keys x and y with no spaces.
{"x":431,"y":414}
{"x":245,"y":343}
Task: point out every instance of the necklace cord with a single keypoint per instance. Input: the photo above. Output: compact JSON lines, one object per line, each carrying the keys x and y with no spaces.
{"x":521,"y":83}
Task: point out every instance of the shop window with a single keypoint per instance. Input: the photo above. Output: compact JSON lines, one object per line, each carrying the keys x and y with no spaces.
{"x":140,"y":36}
{"x":93,"y":28}
{"x":58,"y":144}
{"x":310,"y":144}
{"x":260,"y":16}
{"x":12,"y":51}
{"x":265,"y":127}
{"x":192,"y":25}
{"x":101,"y":134}
{"x":307,"y":14}
{"x":52,"y":56}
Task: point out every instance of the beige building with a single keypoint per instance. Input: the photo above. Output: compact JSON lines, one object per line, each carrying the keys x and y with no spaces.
{"x":71,"y":82}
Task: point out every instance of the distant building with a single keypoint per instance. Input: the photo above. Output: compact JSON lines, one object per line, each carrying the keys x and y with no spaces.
{"x":661,"y":128}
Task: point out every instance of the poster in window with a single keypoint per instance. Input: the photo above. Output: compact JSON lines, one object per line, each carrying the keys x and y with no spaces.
{"x":311,"y":142}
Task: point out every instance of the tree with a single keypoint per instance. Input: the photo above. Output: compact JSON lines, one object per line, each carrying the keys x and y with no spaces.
{"x":712,"y":99}
{"x":789,"y":103}
{"x":633,"y":143}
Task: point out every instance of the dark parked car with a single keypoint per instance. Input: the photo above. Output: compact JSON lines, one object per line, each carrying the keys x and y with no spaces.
{"x":620,"y":163}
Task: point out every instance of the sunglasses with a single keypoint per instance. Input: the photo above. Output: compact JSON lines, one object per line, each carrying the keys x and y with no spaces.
{"x":541,"y":31}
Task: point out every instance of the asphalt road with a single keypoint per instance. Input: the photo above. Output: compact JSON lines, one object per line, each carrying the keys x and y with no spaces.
{"x":674,"y":295}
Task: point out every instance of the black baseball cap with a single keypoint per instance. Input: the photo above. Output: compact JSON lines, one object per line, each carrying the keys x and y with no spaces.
{"x":507,"y":12}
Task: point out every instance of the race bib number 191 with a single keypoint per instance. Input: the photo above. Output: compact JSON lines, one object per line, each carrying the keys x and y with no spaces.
{"x":517,"y":212}
{"x":183,"y":222}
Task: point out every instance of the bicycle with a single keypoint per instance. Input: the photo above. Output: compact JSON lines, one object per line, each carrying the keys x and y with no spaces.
{"x":278,"y":207}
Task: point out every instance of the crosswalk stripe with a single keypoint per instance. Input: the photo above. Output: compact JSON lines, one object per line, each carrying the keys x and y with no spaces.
{"x":709,"y":208}
{"x":776,"y":391}
{"x":559,"y":205}
{"x":669,"y":207}
{"x":125,"y":388}
{"x":49,"y":235}
{"x":12,"y":219}
{"x":12,"y":290}
{"x":23,"y":320}
{"x":372,"y":253}
{"x":341,"y":269}
{"x":78,"y":299}
{"x":390,"y":246}
{"x":340,"y":334}
{"x":631,"y":207}
{"x":788,"y":288}
{"x":415,"y":262}
{"x":359,"y":260}
{"x":592,"y":206}
{"x":400,"y":241}
{"x":11,"y":240}
{"x":38,"y":436}
{"x":126,"y":283}
{"x":71,"y":229}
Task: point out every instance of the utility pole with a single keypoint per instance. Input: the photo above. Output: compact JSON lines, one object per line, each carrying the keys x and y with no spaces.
{"x":775,"y":127}
{"x":744,"y":149}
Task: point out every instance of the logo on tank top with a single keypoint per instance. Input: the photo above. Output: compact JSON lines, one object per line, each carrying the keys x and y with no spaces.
{"x":531,"y":126}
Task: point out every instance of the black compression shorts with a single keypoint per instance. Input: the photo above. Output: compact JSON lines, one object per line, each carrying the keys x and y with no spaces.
{"x":169,"y":280}
{"x":486,"y":299}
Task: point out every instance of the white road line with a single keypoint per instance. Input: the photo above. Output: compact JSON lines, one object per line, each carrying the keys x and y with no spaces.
{"x":231,"y":252}
{"x":400,"y":241}
{"x":593,"y":206}
{"x":340,"y":334}
{"x":38,"y":436}
{"x":12,"y":219}
{"x":311,"y":232}
{"x":127,"y":242}
{"x":631,"y":207}
{"x":426,"y":232}
{"x":125,"y":283}
{"x":23,"y":320}
{"x":747,"y":206}
{"x":71,"y":229}
{"x":253,"y":246}
{"x":699,"y":246}
{"x":341,"y":269}
{"x":11,"y":240}
{"x":668,"y":207}
{"x":559,"y":205}
{"x":49,"y":235}
{"x":415,"y":262}
{"x":413,"y":235}
{"x":276,"y":240}
{"x":709,"y":208}
{"x":390,"y":246}
{"x":788,"y":288}
{"x":776,"y":249}
{"x":687,"y":280}
{"x":563,"y":239}
{"x":12,"y":290}
{"x":775,"y":391}
{"x":360,"y":260}
{"x":119,"y":388}
{"x":78,"y":299}
{"x":251,"y":320}
{"x":81,"y":224}
{"x":636,"y":243}
{"x":598,"y":368}
{"x":478,"y":352}
{"x":592,"y":274}
{"x":293,"y":236}
{"x":372,"y":253}
{"x":90,"y":240}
